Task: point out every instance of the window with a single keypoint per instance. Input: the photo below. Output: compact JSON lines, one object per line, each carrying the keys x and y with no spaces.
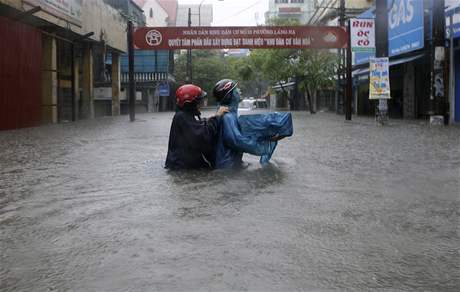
{"x":281,"y":1}
{"x":297,"y":1}
{"x":151,"y":12}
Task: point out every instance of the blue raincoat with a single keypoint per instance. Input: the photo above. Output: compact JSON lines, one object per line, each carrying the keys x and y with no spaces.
{"x":263,"y":127}
{"x":251,"y":136}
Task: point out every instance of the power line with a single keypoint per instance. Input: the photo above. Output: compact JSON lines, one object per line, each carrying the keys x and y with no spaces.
{"x":316,"y":11}
{"x":239,"y":12}
{"x":329,"y":5}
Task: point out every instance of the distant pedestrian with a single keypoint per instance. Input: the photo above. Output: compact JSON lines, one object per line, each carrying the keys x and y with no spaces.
{"x":192,"y":140}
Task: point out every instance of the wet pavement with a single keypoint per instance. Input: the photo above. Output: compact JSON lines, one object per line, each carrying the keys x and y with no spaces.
{"x":87,"y":206}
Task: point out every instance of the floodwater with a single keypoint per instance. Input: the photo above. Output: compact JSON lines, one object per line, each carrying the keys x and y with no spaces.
{"x":352,"y":206}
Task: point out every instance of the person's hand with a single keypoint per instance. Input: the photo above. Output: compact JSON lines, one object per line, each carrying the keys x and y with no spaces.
{"x":277,"y":137}
{"x":221,"y":111}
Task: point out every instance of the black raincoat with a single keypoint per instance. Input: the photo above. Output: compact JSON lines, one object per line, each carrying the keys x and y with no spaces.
{"x":192,"y":141}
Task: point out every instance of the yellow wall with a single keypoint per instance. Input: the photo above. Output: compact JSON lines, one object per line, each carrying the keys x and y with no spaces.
{"x":49,"y":81}
{"x":106,"y":23}
{"x":13,"y":3}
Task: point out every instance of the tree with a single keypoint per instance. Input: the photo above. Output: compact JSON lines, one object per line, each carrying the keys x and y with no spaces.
{"x":310,"y":69}
{"x":314,"y":71}
{"x":208,"y":67}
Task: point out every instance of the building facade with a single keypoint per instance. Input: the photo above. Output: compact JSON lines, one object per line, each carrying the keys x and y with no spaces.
{"x":47,"y":58}
{"x":327,"y":13}
{"x":301,"y":10}
{"x":104,"y":60}
{"x":153,"y":70}
{"x":410,"y":59}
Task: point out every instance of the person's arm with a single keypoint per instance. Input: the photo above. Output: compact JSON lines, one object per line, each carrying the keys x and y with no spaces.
{"x":220,"y":112}
{"x":234,"y":139}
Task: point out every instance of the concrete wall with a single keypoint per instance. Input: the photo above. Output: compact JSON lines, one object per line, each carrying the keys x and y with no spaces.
{"x":358,"y":4}
{"x":106,"y":22}
{"x":409,"y":92}
{"x":13,"y":3}
{"x":22,"y":6}
{"x":96,"y":16}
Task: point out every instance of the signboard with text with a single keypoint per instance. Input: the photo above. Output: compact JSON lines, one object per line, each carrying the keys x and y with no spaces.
{"x":379,"y":78}
{"x":453,"y":12}
{"x":163,"y":89}
{"x":172,"y":38}
{"x":405,"y":28}
{"x":69,"y":10}
{"x":362,"y":33}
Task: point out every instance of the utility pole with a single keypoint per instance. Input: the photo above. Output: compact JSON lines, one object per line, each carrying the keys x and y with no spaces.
{"x":189,"y":51}
{"x":438,"y":97}
{"x":340,"y":88}
{"x":381,"y":44}
{"x":132,"y":89}
{"x":349,"y":89}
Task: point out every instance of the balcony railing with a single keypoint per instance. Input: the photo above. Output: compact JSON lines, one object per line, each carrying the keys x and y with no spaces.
{"x":145,"y":77}
{"x":141,"y":77}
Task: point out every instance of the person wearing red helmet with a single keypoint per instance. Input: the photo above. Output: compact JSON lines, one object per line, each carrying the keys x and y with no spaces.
{"x":192,"y":139}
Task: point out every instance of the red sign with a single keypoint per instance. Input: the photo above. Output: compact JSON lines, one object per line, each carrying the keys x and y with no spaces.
{"x":255,"y":37}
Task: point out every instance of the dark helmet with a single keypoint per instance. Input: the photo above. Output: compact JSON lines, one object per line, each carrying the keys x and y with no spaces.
{"x":223,"y":89}
{"x":189,"y":93}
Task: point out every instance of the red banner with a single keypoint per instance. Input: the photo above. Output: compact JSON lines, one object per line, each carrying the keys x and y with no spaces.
{"x":256,"y":37}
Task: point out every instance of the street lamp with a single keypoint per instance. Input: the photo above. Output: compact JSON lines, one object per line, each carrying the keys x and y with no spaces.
{"x":199,"y":11}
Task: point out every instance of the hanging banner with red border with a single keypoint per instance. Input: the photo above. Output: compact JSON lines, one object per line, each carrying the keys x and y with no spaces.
{"x":257,"y":37}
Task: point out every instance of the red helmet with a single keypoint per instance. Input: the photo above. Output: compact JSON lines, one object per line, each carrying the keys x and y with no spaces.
{"x":189,"y":93}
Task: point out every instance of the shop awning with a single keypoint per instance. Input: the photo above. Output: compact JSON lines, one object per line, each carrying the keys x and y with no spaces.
{"x":452,"y":10}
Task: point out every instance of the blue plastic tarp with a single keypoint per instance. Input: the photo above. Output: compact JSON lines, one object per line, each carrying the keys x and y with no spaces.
{"x":263,"y":127}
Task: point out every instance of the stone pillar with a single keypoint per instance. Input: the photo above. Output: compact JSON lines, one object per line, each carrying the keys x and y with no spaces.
{"x":409,"y":92}
{"x":116,"y":85}
{"x":76,"y":82}
{"x":150,"y":108}
{"x":87,"y":105}
{"x":156,"y":99}
{"x":356,"y":96}
{"x":49,"y":110}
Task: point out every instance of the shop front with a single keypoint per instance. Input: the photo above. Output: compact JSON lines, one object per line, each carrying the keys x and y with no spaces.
{"x":408,"y":62}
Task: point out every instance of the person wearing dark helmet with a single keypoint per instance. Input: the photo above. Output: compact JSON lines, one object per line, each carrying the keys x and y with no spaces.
{"x":232,"y":143}
{"x":192,"y":139}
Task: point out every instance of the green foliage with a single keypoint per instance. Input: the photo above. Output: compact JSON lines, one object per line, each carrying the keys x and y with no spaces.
{"x":210,"y":66}
{"x":313,"y":69}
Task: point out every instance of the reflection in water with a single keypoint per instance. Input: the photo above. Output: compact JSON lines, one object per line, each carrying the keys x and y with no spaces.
{"x":198,"y":191}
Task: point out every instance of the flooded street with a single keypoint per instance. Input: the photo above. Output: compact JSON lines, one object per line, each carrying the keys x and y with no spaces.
{"x":87,"y":206}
